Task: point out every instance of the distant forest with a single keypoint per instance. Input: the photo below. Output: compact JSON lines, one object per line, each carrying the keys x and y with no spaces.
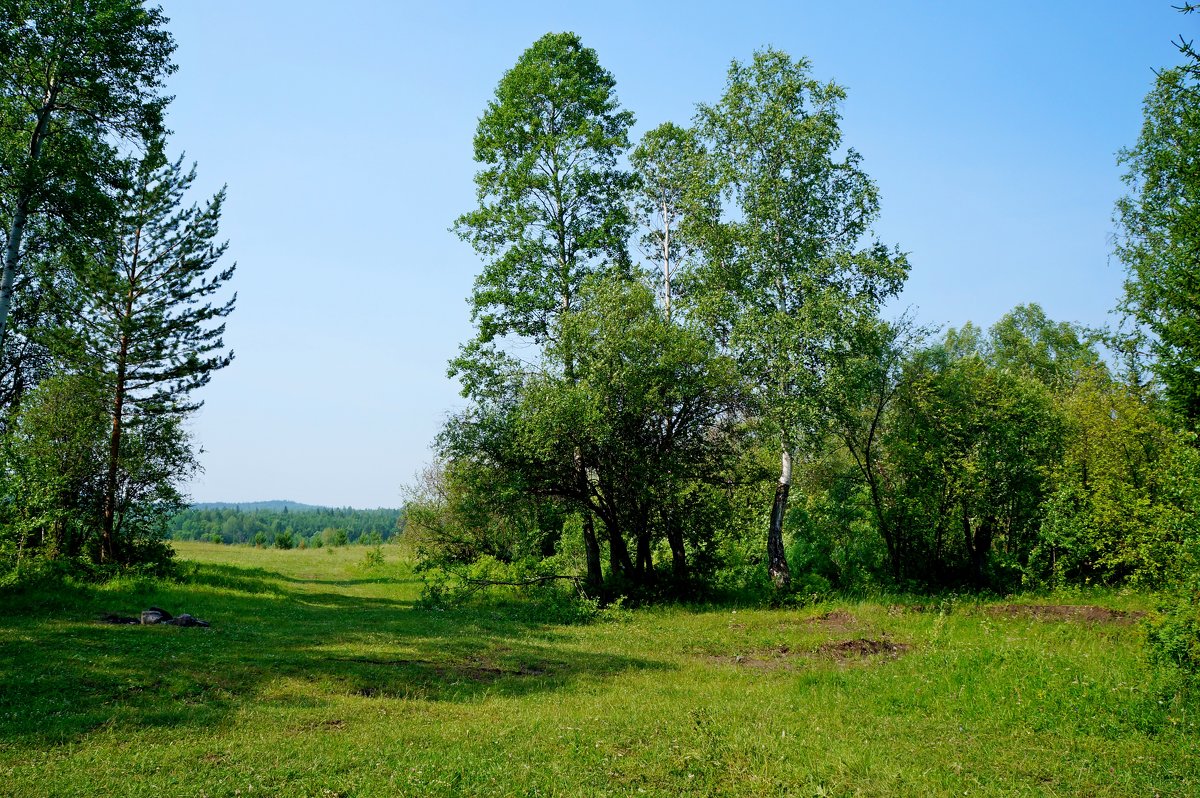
{"x":286,"y":528}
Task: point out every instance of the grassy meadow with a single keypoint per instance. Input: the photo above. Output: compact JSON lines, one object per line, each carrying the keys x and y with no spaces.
{"x":319,"y":677}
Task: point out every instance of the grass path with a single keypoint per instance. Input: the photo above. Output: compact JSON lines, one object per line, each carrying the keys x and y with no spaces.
{"x":318,"y":678}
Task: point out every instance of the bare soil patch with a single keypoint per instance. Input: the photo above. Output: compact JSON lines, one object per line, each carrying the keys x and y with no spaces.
{"x":785,"y":657}
{"x":1067,"y":612}
{"x":861,"y":648}
{"x":834,"y":620}
{"x":473,"y":669}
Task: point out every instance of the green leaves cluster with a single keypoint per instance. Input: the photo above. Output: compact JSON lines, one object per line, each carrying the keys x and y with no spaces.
{"x":632,"y":413}
{"x":111,"y":279}
{"x":628,"y":397}
{"x":1159,"y":241}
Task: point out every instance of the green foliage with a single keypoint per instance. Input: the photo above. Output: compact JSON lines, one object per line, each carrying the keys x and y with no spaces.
{"x":77,"y":78}
{"x":1173,"y":635}
{"x":552,"y":198}
{"x":633,"y":416}
{"x":796,"y":279}
{"x":236,"y":525}
{"x":461,"y":510}
{"x":675,"y":202}
{"x":334,"y":536}
{"x":55,"y":460}
{"x":1125,"y":505}
{"x":788,"y":279}
{"x":374,"y":557}
{"x":834,"y":543}
{"x":528,"y":589}
{"x":1160,"y":236}
{"x":650,"y":408}
{"x":968,"y":448}
{"x":284,"y":540}
{"x":1057,"y":354}
{"x":152,"y":327}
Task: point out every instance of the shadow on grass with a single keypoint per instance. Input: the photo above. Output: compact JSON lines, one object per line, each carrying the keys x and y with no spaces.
{"x":231,"y":577}
{"x":261,"y":580}
{"x":66,"y":675}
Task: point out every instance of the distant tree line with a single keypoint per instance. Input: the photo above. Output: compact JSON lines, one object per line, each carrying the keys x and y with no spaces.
{"x":681,"y":382}
{"x":112,"y":287}
{"x":287,"y":529}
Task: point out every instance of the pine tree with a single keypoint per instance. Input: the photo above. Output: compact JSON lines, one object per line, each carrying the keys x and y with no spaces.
{"x":150,"y":329}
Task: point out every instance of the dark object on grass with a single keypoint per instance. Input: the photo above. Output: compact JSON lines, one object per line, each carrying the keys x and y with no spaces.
{"x":155,"y":615}
{"x":183,"y":619}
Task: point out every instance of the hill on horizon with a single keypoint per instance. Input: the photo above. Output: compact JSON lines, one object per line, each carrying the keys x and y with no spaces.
{"x":274,"y":504}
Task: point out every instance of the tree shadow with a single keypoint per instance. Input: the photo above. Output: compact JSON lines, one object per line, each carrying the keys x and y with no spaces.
{"x":67,"y":674}
{"x":261,"y":580}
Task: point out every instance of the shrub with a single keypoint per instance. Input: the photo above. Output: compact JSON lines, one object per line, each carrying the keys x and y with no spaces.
{"x":1173,"y":637}
{"x":374,"y":557}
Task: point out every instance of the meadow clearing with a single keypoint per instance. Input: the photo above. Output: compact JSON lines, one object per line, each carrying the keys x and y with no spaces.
{"x":319,"y":677}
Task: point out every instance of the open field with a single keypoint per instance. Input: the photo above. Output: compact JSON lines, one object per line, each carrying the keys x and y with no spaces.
{"x":318,"y":677}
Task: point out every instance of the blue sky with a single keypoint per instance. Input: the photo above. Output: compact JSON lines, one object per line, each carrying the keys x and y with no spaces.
{"x":344,"y":134}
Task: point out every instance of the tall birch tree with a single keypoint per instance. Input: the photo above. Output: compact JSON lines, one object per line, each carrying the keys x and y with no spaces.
{"x":789,"y":272}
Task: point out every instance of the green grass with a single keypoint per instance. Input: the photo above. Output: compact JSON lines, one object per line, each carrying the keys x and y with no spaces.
{"x":318,"y":677}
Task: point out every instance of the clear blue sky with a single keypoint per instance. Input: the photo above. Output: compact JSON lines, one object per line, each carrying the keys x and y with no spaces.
{"x":344,"y":134}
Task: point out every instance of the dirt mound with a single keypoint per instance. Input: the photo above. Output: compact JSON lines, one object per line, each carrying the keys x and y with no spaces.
{"x":1066,"y":612}
{"x":861,"y":648}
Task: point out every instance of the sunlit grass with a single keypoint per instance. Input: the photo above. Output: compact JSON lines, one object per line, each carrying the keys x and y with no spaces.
{"x":318,"y":677}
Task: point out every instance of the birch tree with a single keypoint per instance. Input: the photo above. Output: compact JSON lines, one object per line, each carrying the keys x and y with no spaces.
{"x":676,"y":198}
{"x":76,"y":76}
{"x":790,"y":273}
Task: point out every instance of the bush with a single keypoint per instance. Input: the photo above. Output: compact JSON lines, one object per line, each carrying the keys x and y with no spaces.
{"x":374,"y":557}
{"x":1173,"y":637}
{"x":522,"y":588}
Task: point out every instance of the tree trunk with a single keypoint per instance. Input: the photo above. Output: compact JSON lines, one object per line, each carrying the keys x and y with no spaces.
{"x":107,"y":548}
{"x":591,"y":547}
{"x":107,"y":536}
{"x":645,"y":558}
{"x":16,"y":232}
{"x":678,"y":554}
{"x":979,"y":543}
{"x":666,"y":249}
{"x":618,"y":554}
{"x":983,"y":545}
{"x":12,"y":253}
{"x":777,"y":566}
